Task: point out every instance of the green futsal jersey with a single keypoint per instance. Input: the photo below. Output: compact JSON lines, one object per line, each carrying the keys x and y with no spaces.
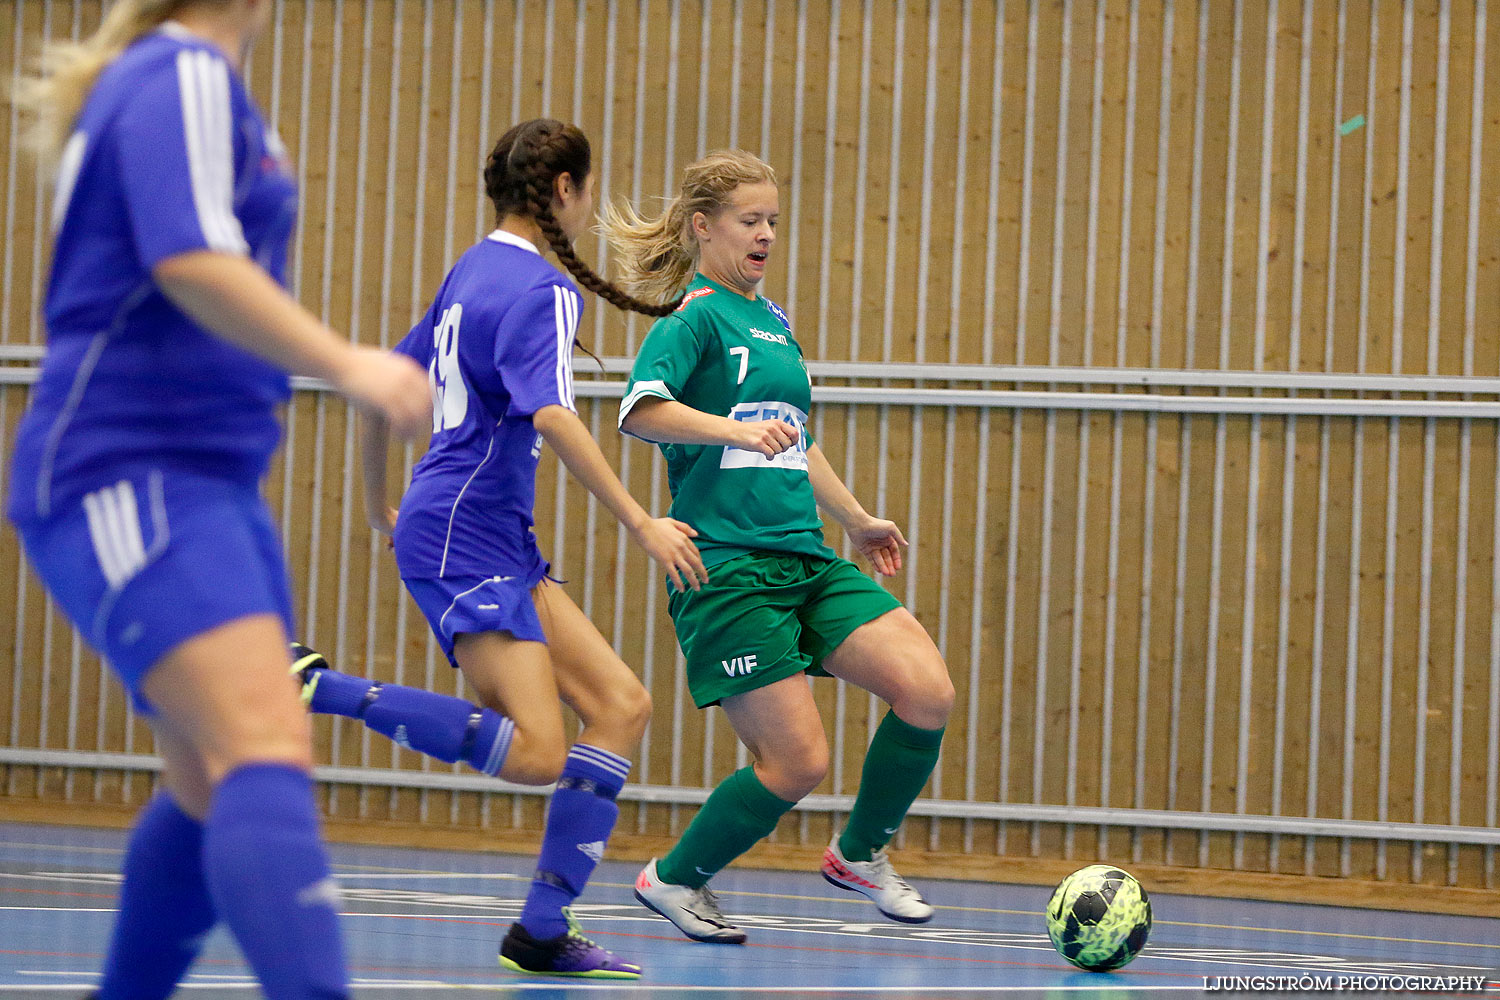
{"x":734,"y":357}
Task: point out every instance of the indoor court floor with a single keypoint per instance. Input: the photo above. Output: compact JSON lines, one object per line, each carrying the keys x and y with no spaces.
{"x":426,"y":924}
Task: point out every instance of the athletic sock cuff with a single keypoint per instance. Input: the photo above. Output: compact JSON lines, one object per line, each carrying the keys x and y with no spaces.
{"x":762,"y":803}
{"x":270,"y":792}
{"x":898,"y":731}
{"x":607,"y":770}
{"x":494,"y":729}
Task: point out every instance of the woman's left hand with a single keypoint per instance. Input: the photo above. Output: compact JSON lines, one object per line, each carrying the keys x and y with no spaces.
{"x":881,"y":541}
{"x":385,"y":524}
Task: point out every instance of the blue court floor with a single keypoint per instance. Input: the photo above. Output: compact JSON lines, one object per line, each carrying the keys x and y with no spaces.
{"x":427,"y":924}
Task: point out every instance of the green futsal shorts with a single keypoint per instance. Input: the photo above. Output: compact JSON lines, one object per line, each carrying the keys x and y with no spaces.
{"x":763,"y":616}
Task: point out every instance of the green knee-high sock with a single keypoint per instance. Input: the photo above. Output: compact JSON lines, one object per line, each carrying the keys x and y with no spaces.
{"x":897,"y":765}
{"x":737,"y":814}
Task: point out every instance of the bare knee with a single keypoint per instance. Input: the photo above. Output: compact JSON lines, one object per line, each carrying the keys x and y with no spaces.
{"x":925,"y":698}
{"x":224,"y":700}
{"x":184,"y":777}
{"x":534,"y":758}
{"x":270,"y":738}
{"x":618,"y":717}
{"x":635,"y":712}
{"x":793,"y":774}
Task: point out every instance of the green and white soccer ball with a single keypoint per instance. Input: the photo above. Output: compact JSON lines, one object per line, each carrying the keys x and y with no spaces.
{"x":1099,"y":918}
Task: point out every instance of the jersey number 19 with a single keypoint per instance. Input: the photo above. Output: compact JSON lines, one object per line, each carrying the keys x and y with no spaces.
{"x":450,"y":397}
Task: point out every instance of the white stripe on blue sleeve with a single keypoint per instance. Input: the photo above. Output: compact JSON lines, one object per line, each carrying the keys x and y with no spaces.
{"x":565,"y":314}
{"x":561,"y":327}
{"x":68,"y":166}
{"x":203,"y":84}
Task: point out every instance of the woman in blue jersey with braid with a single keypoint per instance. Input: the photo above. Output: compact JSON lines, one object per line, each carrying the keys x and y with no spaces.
{"x":498,"y":343}
{"x":135,"y":480}
{"x":722,"y":386}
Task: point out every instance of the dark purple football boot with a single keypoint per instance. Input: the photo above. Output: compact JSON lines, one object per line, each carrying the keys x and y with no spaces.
{"x":569,"y":954}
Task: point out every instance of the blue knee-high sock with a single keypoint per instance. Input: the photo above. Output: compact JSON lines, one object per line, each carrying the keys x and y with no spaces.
{"x":165,"y":911}
{"x":268,"y":874}
{"x":438,"y":725}
{"x":580,"y":818}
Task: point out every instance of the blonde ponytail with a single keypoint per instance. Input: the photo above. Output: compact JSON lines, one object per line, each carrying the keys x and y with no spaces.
{"x":656,"y":257}
{"x":52,"y":99}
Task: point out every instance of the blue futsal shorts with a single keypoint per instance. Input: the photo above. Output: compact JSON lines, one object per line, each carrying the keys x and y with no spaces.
{"x":156,"y":558}
{"x":454,"y":605}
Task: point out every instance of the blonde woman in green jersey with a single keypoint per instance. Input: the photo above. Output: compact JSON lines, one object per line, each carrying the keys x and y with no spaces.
{"x":721,"y":387}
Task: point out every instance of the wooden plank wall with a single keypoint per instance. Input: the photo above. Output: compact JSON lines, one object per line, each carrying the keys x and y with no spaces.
{"x":1268,"y":615}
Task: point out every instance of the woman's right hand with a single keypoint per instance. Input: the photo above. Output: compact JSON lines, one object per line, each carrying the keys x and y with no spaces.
{"x":766,"y":437}
{"x":670,"y":543}
{"x":391,"y":385}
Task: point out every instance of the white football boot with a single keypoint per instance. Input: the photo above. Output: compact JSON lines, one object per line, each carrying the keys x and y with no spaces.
{"x":695,"y":911}
{"x":878,"y":880}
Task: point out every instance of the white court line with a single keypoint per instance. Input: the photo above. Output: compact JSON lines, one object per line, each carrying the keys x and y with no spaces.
{"x":110,"y":878}
{"x":1235,"y":958}
{"x":434,"y":875}
{"x":659,"y":988}
{"x":60,"y":909}
{"x":114,"y":878}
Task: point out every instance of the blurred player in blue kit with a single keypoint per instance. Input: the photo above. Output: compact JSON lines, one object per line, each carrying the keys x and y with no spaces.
{"x":135,"y":480}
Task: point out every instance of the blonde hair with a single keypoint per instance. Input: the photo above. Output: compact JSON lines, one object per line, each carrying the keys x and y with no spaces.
{"x":656,"y":257}
{"x":53,"y":97}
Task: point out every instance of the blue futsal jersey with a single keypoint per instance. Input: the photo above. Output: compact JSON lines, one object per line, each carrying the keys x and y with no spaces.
{"x":497,"y":344}
{"x":168,"y":155}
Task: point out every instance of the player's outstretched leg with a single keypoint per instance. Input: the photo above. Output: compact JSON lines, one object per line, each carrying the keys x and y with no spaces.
{"x":438,"y":725}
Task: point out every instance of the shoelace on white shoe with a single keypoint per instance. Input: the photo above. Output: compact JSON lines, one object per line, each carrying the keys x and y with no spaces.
{"x":885,"y":875}
{"x":706,"y":906}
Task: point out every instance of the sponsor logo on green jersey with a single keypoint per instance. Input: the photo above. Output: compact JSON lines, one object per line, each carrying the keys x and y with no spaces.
{"x":794,"y":457}
{"x":696,"y":293}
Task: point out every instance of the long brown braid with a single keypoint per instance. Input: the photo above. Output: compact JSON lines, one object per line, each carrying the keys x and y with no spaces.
{"x":519,"y":179}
